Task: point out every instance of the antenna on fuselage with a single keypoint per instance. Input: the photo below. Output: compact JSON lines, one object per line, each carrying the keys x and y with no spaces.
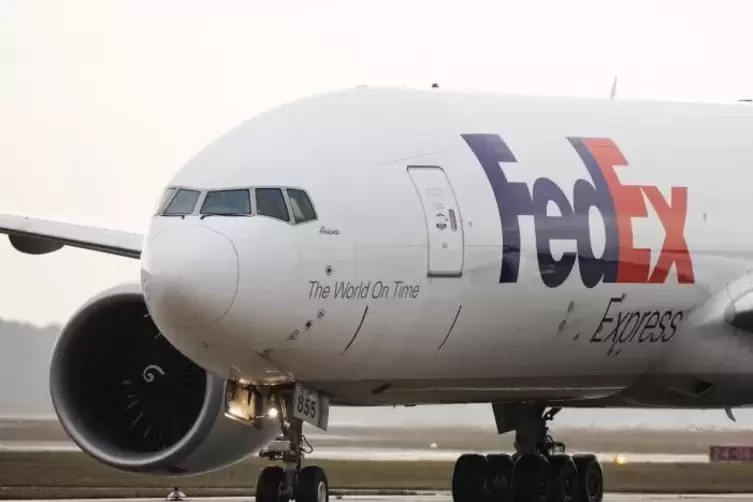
{"x":613,"y":92}
{"x":728,"y":411}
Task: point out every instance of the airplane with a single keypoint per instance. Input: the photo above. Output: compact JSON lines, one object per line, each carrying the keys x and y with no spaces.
{"x":389,"y":247}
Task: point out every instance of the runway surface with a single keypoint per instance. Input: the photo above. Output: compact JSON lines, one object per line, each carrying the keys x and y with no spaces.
{"x":445,"y":497}
{"x":371,"y":453}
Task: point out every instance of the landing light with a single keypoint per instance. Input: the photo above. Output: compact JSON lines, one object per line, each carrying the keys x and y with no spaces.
{"x":245,"y":404}
{"x":620,"y":460}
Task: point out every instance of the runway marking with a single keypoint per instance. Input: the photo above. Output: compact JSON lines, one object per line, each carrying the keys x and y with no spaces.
{"x":424,"y":496}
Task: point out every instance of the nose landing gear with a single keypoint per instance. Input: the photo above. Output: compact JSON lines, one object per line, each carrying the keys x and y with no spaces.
{"x":538,"y":471}
{"x":293,"y":482}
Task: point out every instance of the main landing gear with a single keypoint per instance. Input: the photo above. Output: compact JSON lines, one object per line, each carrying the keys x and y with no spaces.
{"x":539,"y":470}
{"x":302,"y":484}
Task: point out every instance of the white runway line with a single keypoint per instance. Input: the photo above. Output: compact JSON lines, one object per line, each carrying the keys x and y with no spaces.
{"x":369,"y":453}
{"x":442,"y":497}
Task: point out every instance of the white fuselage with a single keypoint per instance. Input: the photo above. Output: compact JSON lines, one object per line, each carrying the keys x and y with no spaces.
{"x":460,"y":283}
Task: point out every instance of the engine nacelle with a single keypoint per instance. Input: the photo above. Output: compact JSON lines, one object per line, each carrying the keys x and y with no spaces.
{"x":131,"y":400}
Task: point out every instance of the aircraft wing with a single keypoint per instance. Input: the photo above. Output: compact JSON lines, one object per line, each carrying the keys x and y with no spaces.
{"x":37,"y":236}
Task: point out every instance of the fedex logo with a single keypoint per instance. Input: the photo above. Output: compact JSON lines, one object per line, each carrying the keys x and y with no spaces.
{"x":619,"y":205}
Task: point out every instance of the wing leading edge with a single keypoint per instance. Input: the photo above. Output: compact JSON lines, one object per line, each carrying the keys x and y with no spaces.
{"x":37,"y":236}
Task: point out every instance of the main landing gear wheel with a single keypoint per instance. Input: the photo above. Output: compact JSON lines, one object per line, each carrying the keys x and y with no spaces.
{"x":563,"y":481}
{"x":469,"y":478}
{"x":500,"y":478}
{"x":539,"y":471}
{"x":590,"y":478}
{"x":531,"y":478}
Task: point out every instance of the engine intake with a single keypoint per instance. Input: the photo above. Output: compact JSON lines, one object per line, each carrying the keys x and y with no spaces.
{"x":127,"y":397}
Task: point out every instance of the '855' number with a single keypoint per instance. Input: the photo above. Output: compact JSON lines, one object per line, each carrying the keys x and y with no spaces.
{"x":309,"y":406}
{"x":306,"y":405}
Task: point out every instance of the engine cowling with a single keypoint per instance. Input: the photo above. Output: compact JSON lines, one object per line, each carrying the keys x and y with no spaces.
{"x":131,"y":400}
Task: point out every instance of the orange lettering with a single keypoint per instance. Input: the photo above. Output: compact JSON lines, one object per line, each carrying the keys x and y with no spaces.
{"x":675,"y":248}
{"x":634,"y":263}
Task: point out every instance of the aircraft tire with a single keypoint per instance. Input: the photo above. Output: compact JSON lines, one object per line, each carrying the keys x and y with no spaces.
{"x":469,"y":478}
{"x":563,"y":483}
{"x":312,"y":485}
{"x":590,"y":478}
{"x":531,"y":478}
{"x":499,"y":480}
{"x":270,"y":484}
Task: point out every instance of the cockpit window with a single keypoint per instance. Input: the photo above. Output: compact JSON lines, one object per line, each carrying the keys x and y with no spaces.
{"x":164,"y":200}
{"x":183,"y":202}
{"x":227,"y":202}
{"x":303,"y":211}
{"x":271,"y":202}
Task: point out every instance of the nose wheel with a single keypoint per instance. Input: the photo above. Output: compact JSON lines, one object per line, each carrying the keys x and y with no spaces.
{"x":539,"y":471}
{"x":292,"y":481}
{"x":310,"y":485}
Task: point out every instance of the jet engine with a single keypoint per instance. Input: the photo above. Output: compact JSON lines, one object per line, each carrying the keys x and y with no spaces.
{"x":131,"y":400}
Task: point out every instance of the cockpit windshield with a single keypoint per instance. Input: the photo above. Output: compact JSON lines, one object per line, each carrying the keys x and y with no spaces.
{"x":183,"y":203}
{"x":303,"y":211}
{"x":227,"y":202}
{"x":288,"y":204}
{"x":271,"y":202}
{"x":167,"y":196}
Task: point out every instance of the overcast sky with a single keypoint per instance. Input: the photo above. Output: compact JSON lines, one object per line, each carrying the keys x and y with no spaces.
{"x":100,"y":102}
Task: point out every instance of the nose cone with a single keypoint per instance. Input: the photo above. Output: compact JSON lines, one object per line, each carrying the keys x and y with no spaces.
{"x":189,"y":275}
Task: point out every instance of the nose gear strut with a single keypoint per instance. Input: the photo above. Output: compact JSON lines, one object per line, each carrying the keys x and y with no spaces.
{"x":294,"y":482}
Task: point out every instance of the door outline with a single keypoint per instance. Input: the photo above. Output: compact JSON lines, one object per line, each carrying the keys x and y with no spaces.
{"x":457,"y":218}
